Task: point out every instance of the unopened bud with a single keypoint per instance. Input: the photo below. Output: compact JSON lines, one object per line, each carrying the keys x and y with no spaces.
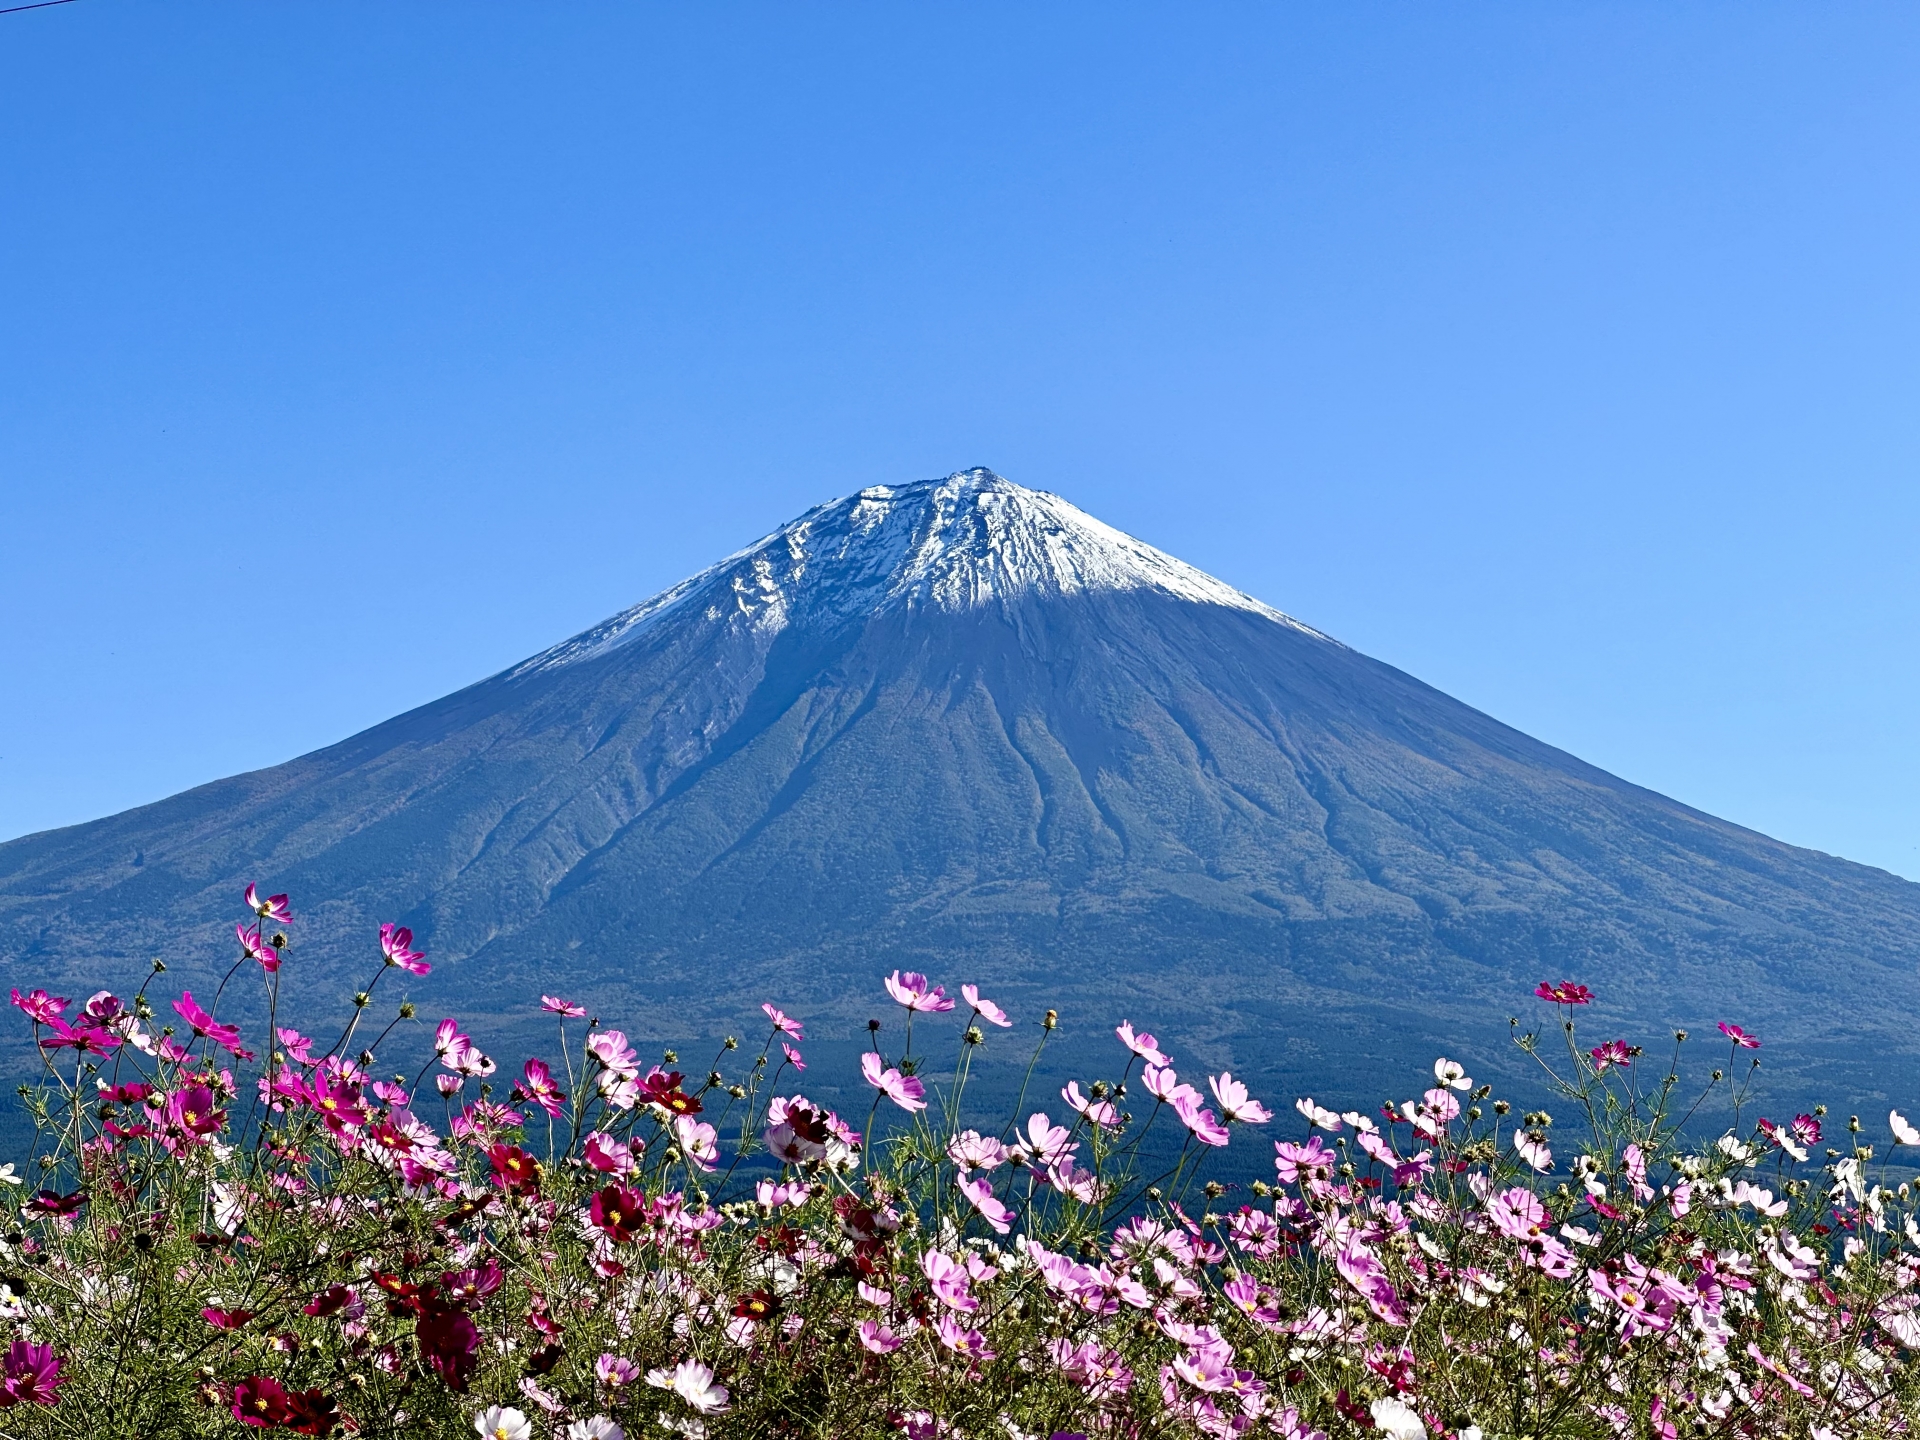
{"x":873,"y":1027}
{"x":670,"y":1056}
{"x":277,"y":940}
{"x":1853,"y":1123}
{"x":407,"y":1012}
{"x":362,"y":1000}
{"x":1501,"y":1107}
{"x":1052,"y":1019}
{"x":738,"y":1092}
{"x":973,"y":1035}
{"x":1153,"y":1192}
{"x":1215,"y":1189}
{"x":732,"y":1044}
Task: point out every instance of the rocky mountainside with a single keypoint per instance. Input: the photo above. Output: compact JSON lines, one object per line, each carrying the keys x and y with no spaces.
{"x":963,"y":727}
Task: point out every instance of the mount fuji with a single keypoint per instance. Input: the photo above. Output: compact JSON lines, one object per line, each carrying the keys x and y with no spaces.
{"x":962,"y":727}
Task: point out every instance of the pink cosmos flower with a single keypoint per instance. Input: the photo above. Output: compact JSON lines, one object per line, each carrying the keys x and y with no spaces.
{"x":1234,"y":1102}
{"x":273,"y":908}
{"x":911,"y":991}
{"x":395,"y":943}
{"x":615,"y":1370}
{"x":985,"y":1009}
{"x":1614,"y":1052}
{"x":1145,"y":1046}
{"x":610,"y":1156}
{"x":610,"y":1048}
{"x":971,"y":1344}
{"x":566,"y":1009}
{"x":298,"y":1047}
{"x":878,"y":1338}
{"x":32,"y":1375}
{"x":193,"y":1111}
{"x":783,"y":1022}
{"x":970,"y":1150}
{"x":252,"y":947}
{"x":980,"y":1195}
{"x":1163,"y":1084}
{"x":1044,"y":1142}
{"x":1644,"y":1307}
{"x":536,"y":1084}
{"x":1739,"y":1037}
{"x":1077,"y":1184}
{"x":225,"y":1036}
{"x":449,"y":1085}
{"x":84,"y":1038}
{"x":1536,"y":1153}
{"x":904,"y":1090}
{"x":1205,"y":1126}
{"x":793,"y":1056}
{"x":783,"y":1195}
{"x":1293,"y":1162}
{"x":40,"y":1006}
{"x":1100,"y":1112}
{"x":1518,"y":1214}
{"x":1565,"y":993}
{"x":952,"y":1283}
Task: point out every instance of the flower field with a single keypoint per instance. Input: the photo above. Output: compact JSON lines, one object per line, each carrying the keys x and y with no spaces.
{"x":221,"y":1232}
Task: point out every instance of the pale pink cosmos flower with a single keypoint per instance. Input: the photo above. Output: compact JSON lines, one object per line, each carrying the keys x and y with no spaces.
{"x":396,"y":943}
{"x":783,"y":1023}
{"x":778,"y":1196}
{"x":1044,"y":1142}
{"x":912,"y":990}
{"x":1643,"y":1306}
{"x":566,"y":1009}
{"x":985,"y":1009}
{"x":698,"y":1141}
{"x":1143,"y":1045}
{"x":1518,"y":1214}
{"x":1293,"y":1162}
{"x":878,"y":1338}
{"x":1100,"y":1112}
{"x":1234,"y":1101}
{"x":1077,"y":1184}
{"x":980,"y":1195}
{"x":904,"y":1090}
{"x":1636,"y":1164}
{"x":970,"y":1150}
{"x":873,"y":1294}
{"x":610,"y":1048}
{"x":1163,"y":1084}
{"x":449,"y":1085}
{"x":693,"y":1383}
{"x":1317,"y":1114}
{"x":1536,"y":1153}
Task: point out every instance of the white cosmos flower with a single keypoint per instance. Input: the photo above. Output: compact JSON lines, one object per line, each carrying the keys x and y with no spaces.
{"x":502,"y":1422}
{"x":1397,"y":1421}
{"x":693,"y":1383}
{"x":1903,"y":1134}
{"x":1452,"y":1074}
{"x":598,"y":1427}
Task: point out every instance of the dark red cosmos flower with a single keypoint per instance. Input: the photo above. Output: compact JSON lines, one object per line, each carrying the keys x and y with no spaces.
{"x":514,"y":1168}
{"x":450,"y":1343}
{"x":1565,"y":993}
{"x":226,"y":1319}
{"x":48,"y":1203}
{"x":756,"y":1305}
{"x":662,"y":1088}
{"x":330,"y":1301}
{"x":311,"y":1412}
{"x":616,"y":1210}
{"x":260,"y":1401}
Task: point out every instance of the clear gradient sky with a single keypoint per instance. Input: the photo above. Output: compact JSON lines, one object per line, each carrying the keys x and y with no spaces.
{"x":1566,"y":356}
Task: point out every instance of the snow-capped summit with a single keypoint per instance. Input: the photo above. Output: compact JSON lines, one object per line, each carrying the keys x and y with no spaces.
{"x":969,"y":541}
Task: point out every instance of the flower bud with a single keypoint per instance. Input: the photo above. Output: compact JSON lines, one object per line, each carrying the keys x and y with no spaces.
{"x":1052,"y":1019}
{"x":732,"y":1044}
{"x":407,"y":1011}
{"x":671,"y":1057}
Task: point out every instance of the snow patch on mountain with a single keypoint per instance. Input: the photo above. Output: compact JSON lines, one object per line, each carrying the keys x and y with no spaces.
{"x":966,"y":542}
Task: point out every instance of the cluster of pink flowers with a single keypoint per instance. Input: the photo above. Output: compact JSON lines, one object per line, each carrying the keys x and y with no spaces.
{"x":592,"y":1246}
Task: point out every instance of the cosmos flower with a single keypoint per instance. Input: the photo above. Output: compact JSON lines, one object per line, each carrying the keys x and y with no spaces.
{"x":252,"y":947}
{"x":911,"y":990}
{"x":980,"y":1195}
{"x":616,"y":1211}
{"x":783,"y":1022}
{"x":1565,"y":993}
{"x":985,"y":1009}
{"x":260,"y":1401}
{"x":1145,"y":1046}
{"x":1234,"y":1101}
{"x":1739,"y":1037}
{"x":536,"y":1084}
{"x":566,"y":1009}
{"x":273,"y":908}
{"x":904,"y":1090}
{"x":693,"y":1383}
{"x":502,"y":1422}
{"x":225,"y":1036}
{"x":970,"y":1150}
{"x":1614,"y":1052}
{"x":396,"y":943}
{"x":40,"y":1006}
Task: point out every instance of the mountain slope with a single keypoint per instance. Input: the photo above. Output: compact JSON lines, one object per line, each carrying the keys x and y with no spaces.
{"x":962,"y":726}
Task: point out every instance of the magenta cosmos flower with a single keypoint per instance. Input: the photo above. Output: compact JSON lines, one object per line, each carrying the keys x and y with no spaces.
{"x":566,"y":1009}
{"x":1739,"y":1037}
{"x":904,"y":1090}
{"x":536,"y":1084}
{"x":783,"y":1022}
{"x":1565,"y":993}
{"x":396,"y":942}
{"x":225,"y":1036}
{"x":252,"y":947}
{"x":985,"y":1009}
{"x":41,"y":1007}
{"x":273,"y":908}
{"x":33,"y":1375}
{"x":912,"y":990}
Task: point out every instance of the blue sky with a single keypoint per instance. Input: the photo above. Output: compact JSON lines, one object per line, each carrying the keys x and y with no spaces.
{"x":1564,"y":356}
